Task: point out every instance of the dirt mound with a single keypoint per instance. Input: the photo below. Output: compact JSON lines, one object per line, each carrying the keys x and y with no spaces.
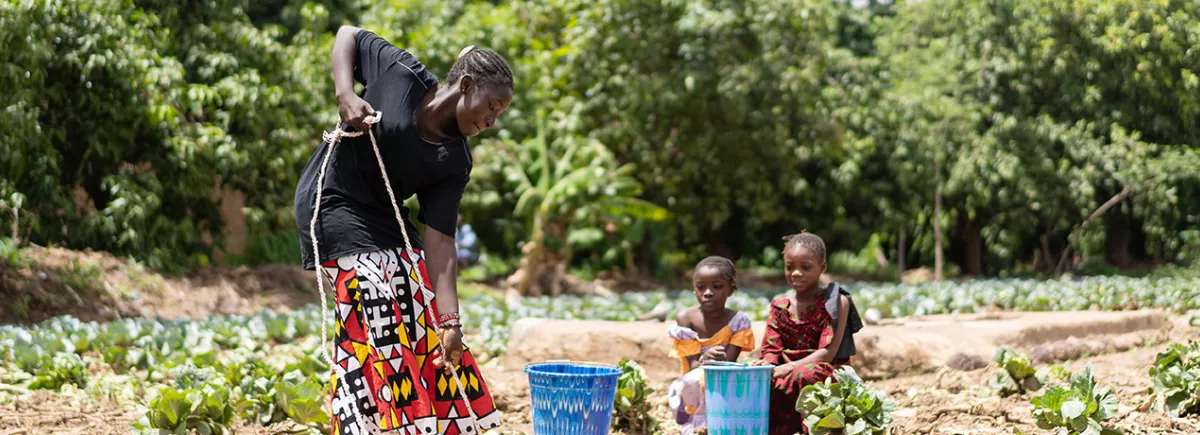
{"x":906,"y":346}
{"x":42,"y":283}
{"x":236,"y":290}
{"x":534,"y":340}
{"x":1075,"y":348}
{"x":1097,"y":323}
{"x":965,"y":363}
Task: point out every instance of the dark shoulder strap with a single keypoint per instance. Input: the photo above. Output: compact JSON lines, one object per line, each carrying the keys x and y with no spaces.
{"x":832,"y":296}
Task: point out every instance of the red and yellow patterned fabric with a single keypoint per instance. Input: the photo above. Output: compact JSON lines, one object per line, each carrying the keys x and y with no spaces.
{"x":385,"y":344}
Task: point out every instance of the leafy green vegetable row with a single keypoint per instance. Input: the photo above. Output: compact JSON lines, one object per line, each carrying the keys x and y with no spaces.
{"x":492,"y":314}
{"x":197,"y":375}
{"x":184,"y":375}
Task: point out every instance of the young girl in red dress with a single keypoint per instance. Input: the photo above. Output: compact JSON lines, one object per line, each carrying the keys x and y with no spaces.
{"x":809,"y":331}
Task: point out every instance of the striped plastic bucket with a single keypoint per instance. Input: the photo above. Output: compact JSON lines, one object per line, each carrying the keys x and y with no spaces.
{"x":737,"y":398}
{"x":572,"y":398}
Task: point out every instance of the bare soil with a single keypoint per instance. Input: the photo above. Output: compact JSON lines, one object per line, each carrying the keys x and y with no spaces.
{"x":945,"y":401}
{"x":910,"y":356}
{"x":49,"y":413}
{"x":953,"y":402}
{"x":96,"y":286}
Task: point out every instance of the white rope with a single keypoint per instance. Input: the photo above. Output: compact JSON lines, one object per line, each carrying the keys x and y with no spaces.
{"x":333,"y":138}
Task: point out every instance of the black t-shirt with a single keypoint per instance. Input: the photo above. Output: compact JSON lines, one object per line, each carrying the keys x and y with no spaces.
{"x":356,"y":214}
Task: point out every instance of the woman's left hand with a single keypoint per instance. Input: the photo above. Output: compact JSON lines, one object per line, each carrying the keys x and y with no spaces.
{"x":452,"y":345}
{"x":782,"y":370}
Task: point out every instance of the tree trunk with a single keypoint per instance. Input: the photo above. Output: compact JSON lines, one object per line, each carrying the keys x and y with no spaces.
{"x":900,"y":254}
{"x":729,"y":238}
{"x":1043,"y":258}
{"x":937,"y":226}
{"x":562,"y":259}
{"x":1137,"y":248}
{"x":1073,"y":240}
{"x":1117,"y":238}
{"x":918,"y":238}
{"x":973,"y":239}
{"x":527,"y":278}
{"x":543,"y":270}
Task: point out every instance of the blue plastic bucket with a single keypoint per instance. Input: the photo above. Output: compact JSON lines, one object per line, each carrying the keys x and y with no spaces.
{"x":737,"y":398}
{"x":572,"y":398}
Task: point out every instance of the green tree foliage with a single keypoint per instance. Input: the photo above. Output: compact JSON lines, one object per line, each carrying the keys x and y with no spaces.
{"x":1035,"y":134}
{"x":1050,"y":128}
{"x":124,"y":118}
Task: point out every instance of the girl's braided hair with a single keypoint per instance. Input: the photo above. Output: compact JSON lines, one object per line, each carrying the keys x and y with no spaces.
{"x":485,"y":66}
{"x":807,"y":240}
{"x":723,"y":265}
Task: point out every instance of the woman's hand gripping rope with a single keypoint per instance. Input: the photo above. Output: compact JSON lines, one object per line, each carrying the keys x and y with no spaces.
{"x":333,"y":138}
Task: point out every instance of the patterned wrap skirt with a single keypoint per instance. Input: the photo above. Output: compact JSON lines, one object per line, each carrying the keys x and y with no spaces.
{"x":385,"y":342}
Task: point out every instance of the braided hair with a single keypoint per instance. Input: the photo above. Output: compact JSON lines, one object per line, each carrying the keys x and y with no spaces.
{"x":485,"y":66}
{"x":723,"y":266}
{"x":808,"y":240}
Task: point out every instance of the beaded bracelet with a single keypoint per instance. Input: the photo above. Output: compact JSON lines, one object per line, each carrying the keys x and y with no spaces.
{"x":450,"y":324}
{"x":446,"y":317}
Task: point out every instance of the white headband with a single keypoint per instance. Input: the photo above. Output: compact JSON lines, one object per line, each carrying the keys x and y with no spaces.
{"x":465,"y":50}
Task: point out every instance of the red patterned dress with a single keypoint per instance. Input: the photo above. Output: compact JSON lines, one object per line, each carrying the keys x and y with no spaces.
{"x":791,"y":338}
{"x":385,"y":342}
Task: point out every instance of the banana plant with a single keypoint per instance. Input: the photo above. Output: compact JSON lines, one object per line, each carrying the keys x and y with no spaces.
{"x":567,"y":184}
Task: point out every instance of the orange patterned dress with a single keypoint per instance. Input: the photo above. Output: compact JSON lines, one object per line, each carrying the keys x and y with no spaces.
{"x":685,"y":396}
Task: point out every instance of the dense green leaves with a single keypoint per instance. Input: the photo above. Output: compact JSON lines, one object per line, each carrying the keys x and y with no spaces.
{"x":65,"y":368}
{"x":1017,"y":374}
{"x":1034,"y":133}
{"x":205,"y":410}
{"x":844,"y":404}
{"x":1079,"y":409}
{"x":1176,"y":374}
{"x":127,"y":116}
{"x":632,"y":406}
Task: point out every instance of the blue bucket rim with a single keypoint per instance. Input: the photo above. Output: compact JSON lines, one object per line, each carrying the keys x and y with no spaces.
{"x":732,"y":366}
{"x":530,"y":368}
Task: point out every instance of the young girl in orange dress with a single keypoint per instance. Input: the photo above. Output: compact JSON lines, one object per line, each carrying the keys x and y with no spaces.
{"x":708,"y":332}
{"x":809,"y":331}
